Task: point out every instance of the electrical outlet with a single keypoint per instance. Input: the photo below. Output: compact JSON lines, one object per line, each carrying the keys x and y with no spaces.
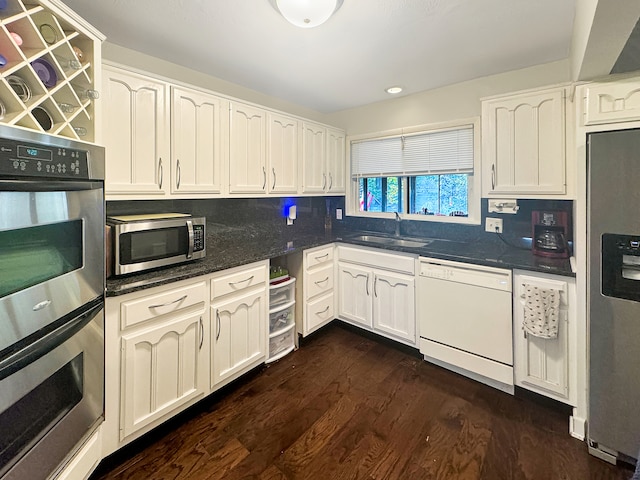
{"x":493,"y":225}
{"x":338,"y":214}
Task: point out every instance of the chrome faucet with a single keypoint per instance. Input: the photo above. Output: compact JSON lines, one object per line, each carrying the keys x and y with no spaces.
{"x":398,"y":220}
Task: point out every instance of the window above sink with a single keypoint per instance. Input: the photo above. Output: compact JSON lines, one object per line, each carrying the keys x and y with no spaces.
{"x":428,"y":172}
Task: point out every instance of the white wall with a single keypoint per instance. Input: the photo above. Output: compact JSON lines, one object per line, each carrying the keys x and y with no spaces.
{"x":163,"y":68}
{"x":453,"y":102}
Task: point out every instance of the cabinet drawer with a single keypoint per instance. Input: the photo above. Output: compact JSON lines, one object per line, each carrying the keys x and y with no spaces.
{"x":319,"y":281}
{"x":319,"y":312}
{"x":318,"y":256}
{"x":238,"y":280}
{"x":377,"y":258}
{"x":137,"y":311}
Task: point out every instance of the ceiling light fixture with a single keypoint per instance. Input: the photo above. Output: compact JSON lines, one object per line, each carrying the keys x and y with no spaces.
{"x":306,"y":13}
{"x":393,"y":90}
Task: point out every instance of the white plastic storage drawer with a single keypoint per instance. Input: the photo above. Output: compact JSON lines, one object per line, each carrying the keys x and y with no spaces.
{"x":282,"y":293}
{"x":281,"y":318}
{"x":281,"y":344}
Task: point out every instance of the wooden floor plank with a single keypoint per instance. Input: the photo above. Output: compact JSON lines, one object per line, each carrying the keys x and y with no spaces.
{"x":348,"y":407}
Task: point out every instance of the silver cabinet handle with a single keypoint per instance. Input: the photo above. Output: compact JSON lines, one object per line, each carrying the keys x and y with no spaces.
{"x":493,"y":176}
{"x":264,"y":178}
{"x":160,"y":173}
{"x":318,"y":282}
{"x":324,"y":181}
{"x":274,"y":178}
{"x":375,"y":286}
{"x":323,"y":311}
{"x":178,"y":174}
{"x":318,"y":257}
{"x":242,"y":281}
{"x":201,"y":333}
{"x":168,"y":303}
{"x":218,"y":325}
{"x":330,"y":181}
{"x":367,"y":284}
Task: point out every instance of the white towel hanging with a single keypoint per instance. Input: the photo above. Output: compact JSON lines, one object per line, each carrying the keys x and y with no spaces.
{"x":541,"y":308}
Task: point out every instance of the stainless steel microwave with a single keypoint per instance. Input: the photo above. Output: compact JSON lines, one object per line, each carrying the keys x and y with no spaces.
{"x":141,"y":242}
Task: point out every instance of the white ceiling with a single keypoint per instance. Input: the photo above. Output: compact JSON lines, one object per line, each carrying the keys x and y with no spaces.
{"x":367,"y":46}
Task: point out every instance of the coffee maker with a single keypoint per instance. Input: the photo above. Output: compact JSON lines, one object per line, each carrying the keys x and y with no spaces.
{"x":550,"y":233}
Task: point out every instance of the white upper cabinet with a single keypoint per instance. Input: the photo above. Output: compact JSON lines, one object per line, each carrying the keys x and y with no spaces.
{"x":196,"y":140}
{"x":335,"y":165}
{"x":247,"y":149}
{"x":323,"y":157}
{"x":282,"y":153}
{"x":136,"y":134}
{"x":314,"y":177}
{"x":612,"y":101}
{"x":523,"y":144}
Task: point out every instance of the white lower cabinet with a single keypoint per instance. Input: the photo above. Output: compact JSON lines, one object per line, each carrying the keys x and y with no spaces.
{"x":160,"y":370}
{"x":157,"y":358}
{"x":238,"y":321}
{"x":546,"y":365}
{"x":376,"y":290}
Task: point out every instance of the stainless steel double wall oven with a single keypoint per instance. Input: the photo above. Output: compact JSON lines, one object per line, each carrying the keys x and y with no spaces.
{"x":51,"y":300}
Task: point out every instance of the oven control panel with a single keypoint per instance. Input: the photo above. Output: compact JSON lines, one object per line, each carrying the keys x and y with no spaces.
{"x":29,"y":159}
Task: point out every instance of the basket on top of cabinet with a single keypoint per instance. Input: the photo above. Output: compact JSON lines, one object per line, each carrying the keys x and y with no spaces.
{"x":48,"y":62}
{"x":281,"y":319}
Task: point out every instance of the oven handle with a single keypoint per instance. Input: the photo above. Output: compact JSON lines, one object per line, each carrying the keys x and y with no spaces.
{"x":48,"y":186}
{"x":47,"y":343}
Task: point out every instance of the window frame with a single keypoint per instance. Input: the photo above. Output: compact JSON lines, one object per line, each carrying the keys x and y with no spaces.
{"x":352,"y":197}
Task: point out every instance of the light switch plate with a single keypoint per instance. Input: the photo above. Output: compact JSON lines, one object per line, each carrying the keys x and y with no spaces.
{"x":338,"y":214}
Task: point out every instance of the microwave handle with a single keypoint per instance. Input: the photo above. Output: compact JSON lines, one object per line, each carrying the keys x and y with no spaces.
{"x":190,"y":233}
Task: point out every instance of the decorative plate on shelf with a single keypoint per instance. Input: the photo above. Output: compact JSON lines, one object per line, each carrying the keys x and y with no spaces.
{"x":45,"y":71}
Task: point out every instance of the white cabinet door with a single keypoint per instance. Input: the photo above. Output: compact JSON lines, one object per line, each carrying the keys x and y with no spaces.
{"x":543,"y":365}
{"x":523,"y":144}
{"x":336,"y":168}
{"x":394,"y":305}
{"x":161,"y":370}
{"x":613,"y":101}
{"x":314,"y":177}
{"x":247,"y":150}
{"x":354,"y":296}
{"x":136,"y":134}
{"x":238,"y":334}
{"x":282,"y":154}
{"x":196,"y":140}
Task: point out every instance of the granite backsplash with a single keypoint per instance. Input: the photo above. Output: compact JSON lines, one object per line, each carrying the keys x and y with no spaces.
{"x":266,"y":216}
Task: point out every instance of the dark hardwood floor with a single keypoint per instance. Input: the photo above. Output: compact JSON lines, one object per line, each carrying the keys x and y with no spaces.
{"x":349,"y":406}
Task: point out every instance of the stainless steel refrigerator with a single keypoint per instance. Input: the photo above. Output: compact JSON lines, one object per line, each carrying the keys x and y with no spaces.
{"x":613,"y":192}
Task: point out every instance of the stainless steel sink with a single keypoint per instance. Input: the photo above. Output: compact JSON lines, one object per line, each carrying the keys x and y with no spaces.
{"x":393,"y":241}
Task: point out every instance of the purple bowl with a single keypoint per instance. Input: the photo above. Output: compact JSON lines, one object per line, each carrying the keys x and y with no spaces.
{"x":45,"y":71}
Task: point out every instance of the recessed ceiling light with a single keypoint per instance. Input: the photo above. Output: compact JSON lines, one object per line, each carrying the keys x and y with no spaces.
{"x":393,"y":90}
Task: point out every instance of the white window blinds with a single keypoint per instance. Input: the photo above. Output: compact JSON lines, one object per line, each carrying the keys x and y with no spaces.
{"x":425,"y":153}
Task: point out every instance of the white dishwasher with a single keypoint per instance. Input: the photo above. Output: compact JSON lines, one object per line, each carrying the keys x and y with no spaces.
{"x":465,"y":320}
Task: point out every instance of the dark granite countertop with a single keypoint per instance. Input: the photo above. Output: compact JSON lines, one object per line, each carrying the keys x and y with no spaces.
{"x":234,"y":246}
